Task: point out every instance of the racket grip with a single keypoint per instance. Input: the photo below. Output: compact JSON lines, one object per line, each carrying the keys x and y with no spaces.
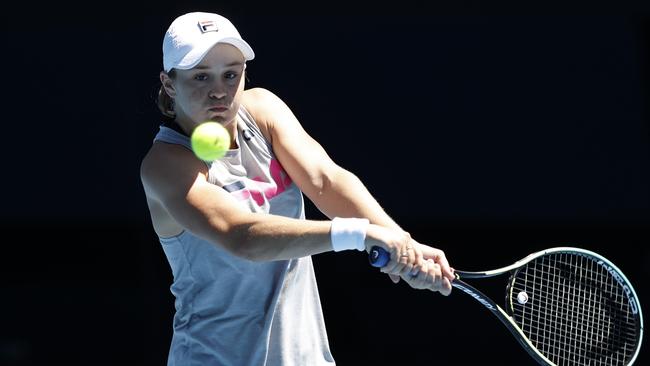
{"x":378,"y":256}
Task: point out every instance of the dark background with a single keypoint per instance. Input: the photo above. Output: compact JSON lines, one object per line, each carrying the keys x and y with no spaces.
{"x":489,"y":132}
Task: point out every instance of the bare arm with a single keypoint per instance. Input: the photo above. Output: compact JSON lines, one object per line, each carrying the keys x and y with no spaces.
{"x":176,"y":180}
{"x":173,"y":177}
{"x":334,"y":190}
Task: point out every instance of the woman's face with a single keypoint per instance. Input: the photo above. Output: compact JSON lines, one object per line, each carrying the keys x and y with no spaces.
{"x":211,"y":90}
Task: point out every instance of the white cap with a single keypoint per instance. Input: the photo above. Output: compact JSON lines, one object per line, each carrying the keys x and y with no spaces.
{"x":192,"y":35}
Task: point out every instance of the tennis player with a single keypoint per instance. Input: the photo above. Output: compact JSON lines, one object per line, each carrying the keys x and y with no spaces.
{"x":234,"y":230}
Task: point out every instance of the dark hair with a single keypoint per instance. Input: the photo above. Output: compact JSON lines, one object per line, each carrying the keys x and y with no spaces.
{"x":165,"y":102}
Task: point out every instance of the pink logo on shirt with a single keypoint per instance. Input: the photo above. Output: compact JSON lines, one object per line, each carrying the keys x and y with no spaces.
{"x":260,"y":189}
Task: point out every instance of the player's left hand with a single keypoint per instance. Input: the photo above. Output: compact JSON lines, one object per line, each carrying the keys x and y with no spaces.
{"x":434,"y":272}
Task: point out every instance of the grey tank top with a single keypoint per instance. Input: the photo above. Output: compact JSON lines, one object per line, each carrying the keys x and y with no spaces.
{"x":231,"y":311}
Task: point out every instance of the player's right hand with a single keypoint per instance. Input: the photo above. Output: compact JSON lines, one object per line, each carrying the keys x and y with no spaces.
{"x":421,"y":266}
{"x":406,"y":257}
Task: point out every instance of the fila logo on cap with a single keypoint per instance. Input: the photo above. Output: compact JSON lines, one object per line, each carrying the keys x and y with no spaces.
{"x":208,"y":26}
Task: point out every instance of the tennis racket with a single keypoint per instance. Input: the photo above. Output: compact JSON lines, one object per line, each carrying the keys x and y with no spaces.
{"x":565,"y":306}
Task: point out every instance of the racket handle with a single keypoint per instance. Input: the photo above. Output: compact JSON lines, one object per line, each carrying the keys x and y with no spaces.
{"x":378,"y":256}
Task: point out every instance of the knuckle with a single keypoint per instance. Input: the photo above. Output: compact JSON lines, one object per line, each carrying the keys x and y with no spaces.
{"x":407,"y":235}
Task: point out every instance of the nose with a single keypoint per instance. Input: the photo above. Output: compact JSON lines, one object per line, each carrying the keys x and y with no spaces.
{"x":217,"y":92}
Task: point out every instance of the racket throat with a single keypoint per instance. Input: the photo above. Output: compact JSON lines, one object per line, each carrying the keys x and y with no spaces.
{"x":476,"y":294}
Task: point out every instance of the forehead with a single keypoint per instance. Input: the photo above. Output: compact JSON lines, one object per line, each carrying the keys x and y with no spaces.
{"x":222,"y":54}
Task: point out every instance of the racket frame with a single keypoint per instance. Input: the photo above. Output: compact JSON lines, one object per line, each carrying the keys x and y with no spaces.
{"x":507,"y":319}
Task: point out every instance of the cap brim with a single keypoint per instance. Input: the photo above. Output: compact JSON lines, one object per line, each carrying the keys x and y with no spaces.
{"x":194,"y":57}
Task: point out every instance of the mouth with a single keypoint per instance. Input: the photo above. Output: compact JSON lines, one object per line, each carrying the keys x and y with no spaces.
{"x":218,"y":109}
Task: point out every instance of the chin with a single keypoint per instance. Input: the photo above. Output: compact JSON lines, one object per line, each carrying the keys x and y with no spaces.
{"x":224,"y":120}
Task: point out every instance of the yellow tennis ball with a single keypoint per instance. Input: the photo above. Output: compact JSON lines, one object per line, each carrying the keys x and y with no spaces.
{"x":210,"y":141}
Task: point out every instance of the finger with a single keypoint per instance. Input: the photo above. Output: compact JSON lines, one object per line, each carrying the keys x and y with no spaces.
{"x":415,"y":260}
{"x":442,"y":284}
{"x":394,"y":278}
{"x":408,"y":253}
{"x":431,"y":277}
{"x":448,"y":273}
{"x":410,"y":280}
{"x":407,"y":271}
{"x":446,"y":287}
{"x":419,"y":261}
{"x":421,"y":280}
{"x":404,"y":261}
{"x":419,"y":273}
{"x":431,"y":273}
{"x":436,"y":277}
{"x":441,"y":259}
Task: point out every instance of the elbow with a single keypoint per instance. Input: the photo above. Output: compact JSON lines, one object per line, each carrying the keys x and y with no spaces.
{"x":253,"y":253}
{"x":326,"y":180}
{"x":240,"y":243}
{"x":245,"y":236}
{"x":246,"y":251}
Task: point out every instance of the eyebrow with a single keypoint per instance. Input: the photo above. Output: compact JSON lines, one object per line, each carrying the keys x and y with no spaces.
{"x":234,"y":63}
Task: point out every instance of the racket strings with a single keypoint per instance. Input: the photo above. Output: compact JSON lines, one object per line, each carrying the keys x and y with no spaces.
{"x":585,"y":282}
{"x":610,"y":304}
{"x":577,"y":313}
{"x":550,"y":323}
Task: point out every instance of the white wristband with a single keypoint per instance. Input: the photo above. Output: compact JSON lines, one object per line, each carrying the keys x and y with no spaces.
{"x":348,"y":233}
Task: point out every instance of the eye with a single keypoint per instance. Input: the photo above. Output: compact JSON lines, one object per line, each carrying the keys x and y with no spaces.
{"x":230,"y":75}
{"x":201,"y":77}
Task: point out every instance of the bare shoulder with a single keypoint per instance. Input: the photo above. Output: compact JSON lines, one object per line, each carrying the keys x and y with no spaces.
{"x":167,"y":172}
{"x":259,"y":100}
{"x":151,"y":164}
{"x":268,"y":110}
{"x":262,"y":105}
{"x":167,"y":165}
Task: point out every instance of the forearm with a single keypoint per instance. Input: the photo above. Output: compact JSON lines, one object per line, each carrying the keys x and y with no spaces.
{"x":214,"y":215}
{"x":271,"y":237}
{"x":344,"y":195}
{"x":258,"y":236}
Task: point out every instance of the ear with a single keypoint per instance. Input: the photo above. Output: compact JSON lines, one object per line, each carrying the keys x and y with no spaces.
{"x":167,"y":84}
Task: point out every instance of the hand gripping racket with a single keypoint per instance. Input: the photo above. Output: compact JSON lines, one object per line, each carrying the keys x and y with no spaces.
{"x":565,"y":306}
